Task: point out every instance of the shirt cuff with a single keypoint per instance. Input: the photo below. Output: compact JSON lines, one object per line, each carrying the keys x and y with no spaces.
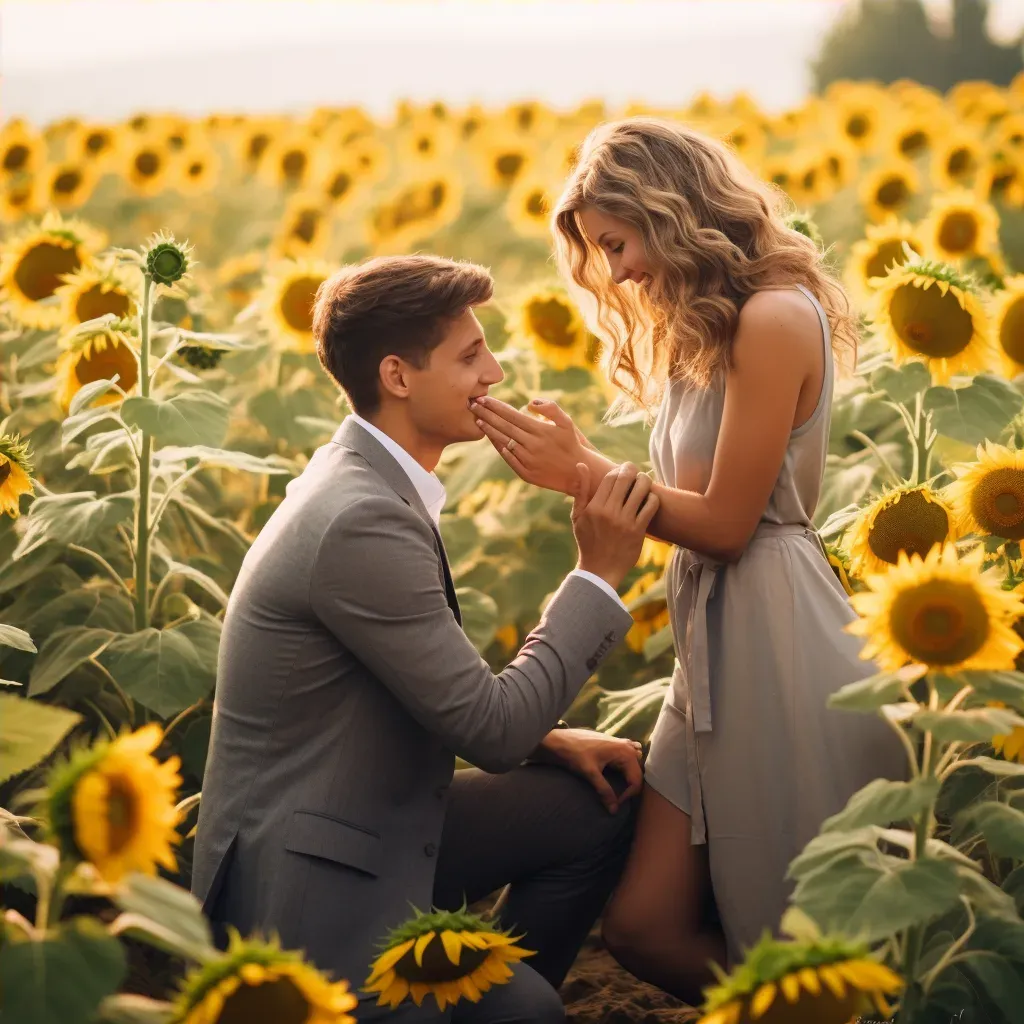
{"x":603,"y":584}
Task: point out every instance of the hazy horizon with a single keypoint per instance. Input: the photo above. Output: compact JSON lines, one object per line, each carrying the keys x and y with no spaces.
{"x":196,"y":56}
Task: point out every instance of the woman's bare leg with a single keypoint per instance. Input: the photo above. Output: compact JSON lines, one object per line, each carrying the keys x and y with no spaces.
{"x":656,"y":924}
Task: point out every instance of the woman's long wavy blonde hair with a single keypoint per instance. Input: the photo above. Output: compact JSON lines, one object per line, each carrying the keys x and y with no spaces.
{"x":716,"y":235}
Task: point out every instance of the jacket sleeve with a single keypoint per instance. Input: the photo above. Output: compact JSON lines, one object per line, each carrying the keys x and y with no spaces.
{"x":377,"y":586}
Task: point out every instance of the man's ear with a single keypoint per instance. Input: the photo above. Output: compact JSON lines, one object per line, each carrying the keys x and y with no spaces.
{"x":394,"y":376}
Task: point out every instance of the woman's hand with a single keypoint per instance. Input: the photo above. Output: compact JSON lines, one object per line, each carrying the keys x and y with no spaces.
{"x":541,"y":453}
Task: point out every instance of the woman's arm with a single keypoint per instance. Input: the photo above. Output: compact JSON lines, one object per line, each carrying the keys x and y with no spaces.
{"x":775,"y":352}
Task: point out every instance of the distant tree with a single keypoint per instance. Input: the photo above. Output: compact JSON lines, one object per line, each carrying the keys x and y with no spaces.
{"x":886,"y":40}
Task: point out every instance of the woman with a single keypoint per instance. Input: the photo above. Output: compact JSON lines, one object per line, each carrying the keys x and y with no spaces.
{"x":725,"y":319}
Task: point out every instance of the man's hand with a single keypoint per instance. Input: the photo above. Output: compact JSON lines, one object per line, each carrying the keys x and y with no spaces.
{"x":588,"y":753}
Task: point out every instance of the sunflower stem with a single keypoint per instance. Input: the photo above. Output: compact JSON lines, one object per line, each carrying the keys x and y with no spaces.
{"x":105,"y":566}
{"x":142,"y":522}
{"x":878,"y":454}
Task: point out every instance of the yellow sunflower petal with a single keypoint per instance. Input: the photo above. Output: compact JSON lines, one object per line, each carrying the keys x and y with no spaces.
{"x":762,"y":1001}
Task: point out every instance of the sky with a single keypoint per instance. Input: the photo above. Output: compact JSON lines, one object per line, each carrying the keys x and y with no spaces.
{"x":105,"y":59}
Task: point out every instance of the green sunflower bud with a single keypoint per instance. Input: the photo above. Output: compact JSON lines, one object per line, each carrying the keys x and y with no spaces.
{"x":802,"y":223}
{"x":166,"y":260}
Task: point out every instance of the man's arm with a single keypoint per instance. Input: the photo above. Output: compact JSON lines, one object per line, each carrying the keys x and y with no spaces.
{"x":376,"y":585}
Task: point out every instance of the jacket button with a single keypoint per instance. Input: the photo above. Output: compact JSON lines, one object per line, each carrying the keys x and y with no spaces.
{"x":430,"y":849}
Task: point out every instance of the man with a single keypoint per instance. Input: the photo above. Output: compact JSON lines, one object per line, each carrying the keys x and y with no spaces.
{"x":346,"y":686}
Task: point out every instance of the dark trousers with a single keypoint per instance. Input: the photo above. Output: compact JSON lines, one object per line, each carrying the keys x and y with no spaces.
{"x":545,"y":831}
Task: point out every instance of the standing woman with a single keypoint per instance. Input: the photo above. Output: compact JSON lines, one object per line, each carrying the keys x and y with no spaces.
{"x":725,"y":321}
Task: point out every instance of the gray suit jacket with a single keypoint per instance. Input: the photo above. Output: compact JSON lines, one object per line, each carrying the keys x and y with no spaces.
{"x":345,"y":688}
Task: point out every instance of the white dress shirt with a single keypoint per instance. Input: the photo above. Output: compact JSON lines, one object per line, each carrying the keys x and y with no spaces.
{"x":432,"y":493}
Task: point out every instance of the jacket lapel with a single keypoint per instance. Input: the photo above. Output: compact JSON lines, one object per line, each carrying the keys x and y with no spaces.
{"x":352,"y":436}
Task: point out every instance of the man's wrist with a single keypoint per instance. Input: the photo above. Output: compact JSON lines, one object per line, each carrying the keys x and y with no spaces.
{"x":611,"y":576}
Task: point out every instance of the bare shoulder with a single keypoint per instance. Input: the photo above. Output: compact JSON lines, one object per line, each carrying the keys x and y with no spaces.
{"x":777,"y":326}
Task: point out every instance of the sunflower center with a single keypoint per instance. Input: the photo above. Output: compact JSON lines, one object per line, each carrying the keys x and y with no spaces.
{"x":195,"y":169}
{"x":66,"y":182}
{"x":340,"y":184}
{"x":536,"y":204}
{"x":39,"y":271}
{"x":551,"y":320}
{"x":96,"y":142}
{"x":280,"y":1001}
{"x":508,"y":165}
{"x":1011,"y":331}
{"x":102,"y":364}
{"x":857,"y":126}
{"x":16,"y":157}
{"x":436,"y":966}
{"x":884,"y":257}
{"x":930,"y":322}
{"x":293,"y":164}
{"x":5,"y":472}
{"x":306,"y":225}
{"x":892,"y":192}
{"x":939,"y":622}
{"x":958,"y":232}
{"x":997,"y":503}
{"x":147,"y":163}
{"x":912,"y":524}
{"x":913,"y":142}
{"x":122,"y":814}
{"x":297,"y":303}
{"x":961,"y":162}
{"x":100,"y":300}
{"x":257,"y":144}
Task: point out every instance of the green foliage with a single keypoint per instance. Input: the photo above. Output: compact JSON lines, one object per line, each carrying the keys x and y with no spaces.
{"x":887,"y":40}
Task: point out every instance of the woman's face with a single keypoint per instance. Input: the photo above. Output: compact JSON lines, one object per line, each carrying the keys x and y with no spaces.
{"x":620,"y":242}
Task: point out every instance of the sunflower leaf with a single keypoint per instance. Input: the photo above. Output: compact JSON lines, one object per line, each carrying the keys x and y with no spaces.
{"x":882,"y":802}
{"x":174,"y":909}
{"x":869,"y":694}
{"x":658,"y":643}
{"x":902,"y":384}
{"x":62,"y":978}
{"x":1006,"y":687}
{"x":11,"y":636}
{"x":63,"y":652}
{"x":1001,"y":826}
{"x":970,"y":726}
{"x":31,"y":731}
{"x":226,"y":459}
{"x":190,"y":418}
{"x":74,"y":518}
{"x":981,"y":411}
{"x":479,"y":616}
{"x":77,"y":423}
{"x":87,"y":393}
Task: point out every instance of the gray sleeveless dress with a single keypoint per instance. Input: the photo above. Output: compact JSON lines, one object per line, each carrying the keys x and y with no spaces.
{"x":744,"y":743}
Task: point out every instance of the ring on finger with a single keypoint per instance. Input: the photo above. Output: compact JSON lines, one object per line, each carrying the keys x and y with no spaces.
{"x":510,"y":447}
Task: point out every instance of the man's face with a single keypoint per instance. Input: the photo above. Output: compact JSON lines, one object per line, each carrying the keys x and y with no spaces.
{"x":459,"y":370}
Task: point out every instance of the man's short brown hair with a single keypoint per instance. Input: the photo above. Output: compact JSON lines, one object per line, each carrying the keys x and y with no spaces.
{"x":390,"y":305}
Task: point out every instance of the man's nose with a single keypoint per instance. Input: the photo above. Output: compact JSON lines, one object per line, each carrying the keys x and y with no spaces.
{"x":494,"y":374}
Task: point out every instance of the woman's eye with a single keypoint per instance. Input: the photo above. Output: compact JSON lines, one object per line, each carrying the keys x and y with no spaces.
{"x":619,"y":248}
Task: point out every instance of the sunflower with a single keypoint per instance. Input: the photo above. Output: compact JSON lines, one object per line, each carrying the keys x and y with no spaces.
{"x":425,"y":139}
{"x":33,"y":266}
{"x":22,"y":150}
{"x":450,"y":955}
{"x":198,"y":168}
{"x":257,"y":982}
{"x":649,"y":617}
{"x":371,"y":156}
{"x":503,"y":157}
{"x":1011,"y":745}
{"x":100,"y":355}
{"x":238,"y":277}
{"x":341,"y":182}
{"x":304,"y":228}
{"x":1002,"y":180}
{"x":862,"y":114}
{"x":415,"y":211}
{"x":914,"y":136}
{"x":114,"y":805}
{"x":956,"y":161}
{"x":15,"y":473}
{"x":66,"y":186}
{"x":887,"y":190}
{"x":959,"y":225}
{"x":552,"y":325}
{"x":655,"y":552}
{"x":146,"y":164}
{"x":988,"y":495}
{"x":93,"y":143}
{"x":287,"y":298}
{"x":940,"y":611}
{"x":908,"y":520}
{"x":928,"y":311}
{"x":289,"y":161}
{"x":253,"y":138}
{"x":827,"y":980}
{"x":95,"y":291}
{"x":1007,"y":319}
{"x":17,"y":200}
{"x":879,"y":249}
{"x":528,"y":117}
{"x":810,"y":182}
{"x":528,"y":207}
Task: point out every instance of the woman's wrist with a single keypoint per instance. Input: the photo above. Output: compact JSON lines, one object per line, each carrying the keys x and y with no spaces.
{"x":599,"y":466}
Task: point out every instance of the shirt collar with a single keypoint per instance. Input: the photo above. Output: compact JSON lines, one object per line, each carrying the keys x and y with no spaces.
{"x":428,"y":486}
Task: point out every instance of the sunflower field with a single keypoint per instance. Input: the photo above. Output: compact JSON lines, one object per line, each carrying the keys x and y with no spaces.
{"x":157,"y":395}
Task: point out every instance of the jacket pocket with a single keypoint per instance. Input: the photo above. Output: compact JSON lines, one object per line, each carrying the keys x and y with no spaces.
{"x":319,"y":835}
